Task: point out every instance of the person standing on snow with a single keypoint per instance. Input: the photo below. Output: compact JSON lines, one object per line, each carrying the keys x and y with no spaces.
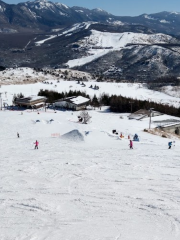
{"x":131,"y":144}
{"x":18,"y":135}
{"x":36,"y":144}
{"x":169,"y":144}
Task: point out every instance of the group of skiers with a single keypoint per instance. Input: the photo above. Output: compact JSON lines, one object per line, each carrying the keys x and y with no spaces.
{"x":130,"y":143}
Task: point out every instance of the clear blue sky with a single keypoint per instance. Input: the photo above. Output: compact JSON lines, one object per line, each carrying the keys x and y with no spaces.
{"x":122,"y":7}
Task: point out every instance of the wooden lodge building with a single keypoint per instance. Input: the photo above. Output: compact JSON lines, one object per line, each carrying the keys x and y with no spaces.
{"x":31,"y":102}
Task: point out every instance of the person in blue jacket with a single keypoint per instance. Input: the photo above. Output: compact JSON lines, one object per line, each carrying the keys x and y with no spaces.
{"x":169,"y":144}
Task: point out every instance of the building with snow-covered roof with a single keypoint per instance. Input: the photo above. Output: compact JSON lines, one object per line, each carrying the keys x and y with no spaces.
{"x":143,"y":113}
{"x":74,"y":103}
{"x":31,"y":101}
{"x":171,"y":128}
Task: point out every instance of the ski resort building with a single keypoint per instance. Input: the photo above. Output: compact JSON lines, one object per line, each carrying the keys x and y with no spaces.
{"x":31,"y":102}
{"x":171,"y":128}
{"x":143,"y":113}
{"x":74,"y":103}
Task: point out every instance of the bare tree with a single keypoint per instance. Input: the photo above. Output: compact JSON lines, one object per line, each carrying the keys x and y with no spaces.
{"x":85,"y":117}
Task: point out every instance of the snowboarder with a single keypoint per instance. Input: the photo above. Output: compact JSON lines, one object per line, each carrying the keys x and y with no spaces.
{"x":169,"y":144}
{"x":36,"y":144}
{"x":18,"y":135}
{"x":131,"y":144}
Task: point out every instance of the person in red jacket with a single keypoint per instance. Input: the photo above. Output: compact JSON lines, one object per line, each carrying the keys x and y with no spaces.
{"x":36,"y":144}
{"x":131,"y":144}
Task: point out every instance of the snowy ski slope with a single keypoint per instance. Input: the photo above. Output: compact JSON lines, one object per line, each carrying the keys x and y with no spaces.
{"x":92,"y":189}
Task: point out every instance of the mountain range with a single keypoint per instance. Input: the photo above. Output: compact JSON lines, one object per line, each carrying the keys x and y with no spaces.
{"x":45,"y":34}
{"x":40,"y":15}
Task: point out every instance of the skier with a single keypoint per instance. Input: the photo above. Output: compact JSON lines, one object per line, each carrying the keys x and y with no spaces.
{"x":18,"y":135}
{"x":36,"y":144}
{"x":131,"y":144}
{"x":169,"y":144}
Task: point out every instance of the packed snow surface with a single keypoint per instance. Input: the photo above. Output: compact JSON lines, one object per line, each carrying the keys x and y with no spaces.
{"x":93,"y":189}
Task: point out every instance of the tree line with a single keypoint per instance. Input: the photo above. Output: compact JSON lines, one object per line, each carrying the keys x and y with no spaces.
{"x":163,"y":81}
{"x":117,"y":103}
{"x":53,"y":96}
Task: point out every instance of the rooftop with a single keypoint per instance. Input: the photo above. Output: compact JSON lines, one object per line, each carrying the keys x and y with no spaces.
{"x":76,"y":100}
{"x":79,"y":100}
{"x":32,"y":98}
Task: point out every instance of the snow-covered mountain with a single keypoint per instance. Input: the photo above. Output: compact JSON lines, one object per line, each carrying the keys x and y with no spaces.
{"x":123,"y":51}
{"x":128,"y":55}
{"x":101,"y":43}
{"x":40,"y":15}
{"x":52,"y":34}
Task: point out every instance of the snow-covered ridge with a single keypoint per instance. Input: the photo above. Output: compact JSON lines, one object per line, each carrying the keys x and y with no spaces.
{"x":149,"y":17}
{"x":164,"y":21}
{"x":2,"y":9}
{"x":117,"y":23}
{"x":98,"y":9}
{"x":24,"y":75}
{"x":118,"y":40}
{"x":43,"y":4}
{"x":80,"y":11}
{"x":100,"y":43}
{"x":61,"y":5}
{"x":177,"y":13}
{"x":74,"y":28}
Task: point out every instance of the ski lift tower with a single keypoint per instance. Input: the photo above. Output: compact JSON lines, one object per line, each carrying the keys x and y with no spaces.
{"x":150,"y":110}
{"x":131,"y":105}
{"x":1,"y":100}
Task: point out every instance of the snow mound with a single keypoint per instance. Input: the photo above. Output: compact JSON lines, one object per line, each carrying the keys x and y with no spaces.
{"x":73,"y":135}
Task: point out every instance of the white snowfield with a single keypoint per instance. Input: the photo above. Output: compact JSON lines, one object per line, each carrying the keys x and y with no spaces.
{"x":25,"y":75}
{"x":114,"y":41}
{"x":133,"y":90}
{"x":96,"y":188}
